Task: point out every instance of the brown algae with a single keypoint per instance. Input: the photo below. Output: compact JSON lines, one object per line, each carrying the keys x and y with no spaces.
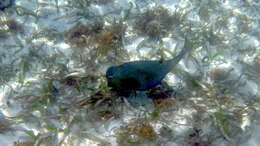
{"x":154,"y":22}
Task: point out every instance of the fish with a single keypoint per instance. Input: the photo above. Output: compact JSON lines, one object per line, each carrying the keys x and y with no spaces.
{"x":141,"y":75}
{"x":5,"y":4}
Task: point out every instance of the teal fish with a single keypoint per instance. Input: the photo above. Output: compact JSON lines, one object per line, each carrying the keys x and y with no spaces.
{"x":141,"y":75}
{"x":4,"y":4}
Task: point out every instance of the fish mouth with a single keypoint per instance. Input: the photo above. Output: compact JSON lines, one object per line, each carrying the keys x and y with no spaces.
{"x":110,"y":83}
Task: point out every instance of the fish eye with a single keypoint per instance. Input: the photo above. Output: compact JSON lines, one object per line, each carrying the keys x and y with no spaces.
{"x":110,"y":72}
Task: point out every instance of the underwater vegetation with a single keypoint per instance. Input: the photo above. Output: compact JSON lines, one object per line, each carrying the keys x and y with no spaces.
{"x":136,"y":133}
{"x":81,"y":2}
{"x":9,"y":26}
{"x":54,"y":88}
{"x":101,"y":1}
{"x":5,"y":125}
{"x":195,"y":137}
{"x":110,"y":38}
{"x":144,"y":130}
{"x":13,"y":26}
{"x":162,"y":104}
{"x":23,"y":143}
{"x":80,"y":34}
{"x":101,"y":106}
{"x":3,"y":34}
{"x":76,"y":36}
{"x":156,"y":22}
{"x":100,"y":39}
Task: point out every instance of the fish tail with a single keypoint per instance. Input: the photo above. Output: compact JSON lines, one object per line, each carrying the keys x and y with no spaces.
{"x":172,"y":62}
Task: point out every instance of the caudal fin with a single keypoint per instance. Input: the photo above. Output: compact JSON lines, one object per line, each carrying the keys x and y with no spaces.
{"x":172,"y":62}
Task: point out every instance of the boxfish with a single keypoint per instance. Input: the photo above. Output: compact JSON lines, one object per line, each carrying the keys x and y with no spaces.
{"x":141,"y":75}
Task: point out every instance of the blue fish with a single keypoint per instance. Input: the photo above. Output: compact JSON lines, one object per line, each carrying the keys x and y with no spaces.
{"x":4,"y":4}
{"x":141,"y":75}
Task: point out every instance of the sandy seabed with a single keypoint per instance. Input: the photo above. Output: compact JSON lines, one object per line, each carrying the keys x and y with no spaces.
{"x":54,"y":55}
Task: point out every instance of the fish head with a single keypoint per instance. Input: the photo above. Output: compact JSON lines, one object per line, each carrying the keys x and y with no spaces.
{"x":118,"y":79}
{"x":4,"y":4}
{"x":111,"y":75}
{"x":111,"y":72}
